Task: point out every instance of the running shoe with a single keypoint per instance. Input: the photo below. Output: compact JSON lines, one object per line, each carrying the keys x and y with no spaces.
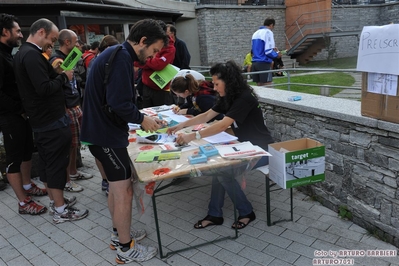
{"x":137,"y":252}
{"x":104,"y":185}
{"x":72,"y":187}
{"x":69,"y":201}
{"x":36,"y":191}
{"x":135,"y":234}
{"x":31,"y":207}
{"x":80,"y":176}
{"x":69,"y":214}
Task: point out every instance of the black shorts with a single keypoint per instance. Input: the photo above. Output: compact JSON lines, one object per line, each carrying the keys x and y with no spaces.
{"x":54,"y":147}
{"x":116,"y":162}
{"x":18,"y":141}
{"x":261,"y":77}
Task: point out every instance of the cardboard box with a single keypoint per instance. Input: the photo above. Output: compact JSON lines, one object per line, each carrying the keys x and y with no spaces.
{"x":379,"y":106}
{"x":297,"y":162}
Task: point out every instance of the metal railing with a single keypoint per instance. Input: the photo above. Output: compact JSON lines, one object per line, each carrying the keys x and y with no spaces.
{"x":242,"y":2}
{"x":324,"y":88}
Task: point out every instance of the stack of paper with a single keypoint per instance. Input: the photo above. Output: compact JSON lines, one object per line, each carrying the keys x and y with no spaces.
{"x":241,"y":150}
{"x":156,"y":138}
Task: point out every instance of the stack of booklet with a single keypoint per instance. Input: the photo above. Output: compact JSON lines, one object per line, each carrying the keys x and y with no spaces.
{"x":241,"y":150}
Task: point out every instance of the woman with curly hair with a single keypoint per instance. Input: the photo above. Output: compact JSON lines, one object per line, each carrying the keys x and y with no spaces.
{"x":240,"y":106}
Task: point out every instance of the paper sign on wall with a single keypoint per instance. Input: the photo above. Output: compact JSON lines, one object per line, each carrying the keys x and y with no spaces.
{"x":382,"y":84}
{"x":379,"y":49}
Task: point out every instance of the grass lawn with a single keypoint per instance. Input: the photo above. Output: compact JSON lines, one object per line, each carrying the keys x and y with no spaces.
{"x":335,"y":79}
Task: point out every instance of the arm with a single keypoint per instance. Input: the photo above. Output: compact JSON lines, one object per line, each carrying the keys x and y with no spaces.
{"x":213,"y":129}
{"x":162,"y":59}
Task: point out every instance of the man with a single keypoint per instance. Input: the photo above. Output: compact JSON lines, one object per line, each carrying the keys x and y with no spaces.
{"x":182,"y":56}
{"x":263,"y":52}
{"x":42,"y":97}
{"x":67,"y":40}
{"x":17,"y":133}
{"x":90,"y":54}
{"x":108,"y":140}
{"x":153,"y":95}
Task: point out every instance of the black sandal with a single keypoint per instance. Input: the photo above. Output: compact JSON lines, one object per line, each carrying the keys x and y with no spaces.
{"x":212,"y":219}
{"x":241,"y":225}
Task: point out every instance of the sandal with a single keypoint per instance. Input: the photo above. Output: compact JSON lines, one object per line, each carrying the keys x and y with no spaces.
{"x":241,"y":225}
{"x":212,"y":219}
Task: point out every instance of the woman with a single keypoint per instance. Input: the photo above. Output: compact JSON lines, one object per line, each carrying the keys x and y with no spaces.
{"x":198,"y":93}
{"x":239,"y":104}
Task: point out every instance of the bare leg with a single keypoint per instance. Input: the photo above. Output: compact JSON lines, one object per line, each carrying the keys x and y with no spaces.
{"x":72,"y":163}
{"x":15,"y":180}
{"x":26,"y":172}
{"x":58,"y":196}
{"x":120,"y":207}
{"x":101,"y":169}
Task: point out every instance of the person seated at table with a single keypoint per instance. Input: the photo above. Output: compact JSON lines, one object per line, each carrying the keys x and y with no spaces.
{"x":198,"y":94}
{"x":240,"y":106}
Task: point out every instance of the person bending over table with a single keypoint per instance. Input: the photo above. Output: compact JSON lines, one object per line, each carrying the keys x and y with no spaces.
{"x":198,"y":94}
{"x":240,"y":106}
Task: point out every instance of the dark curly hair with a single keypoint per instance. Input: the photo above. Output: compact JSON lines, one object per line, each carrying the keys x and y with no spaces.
{"x":7,"y":22}
{"x":235,"y":84}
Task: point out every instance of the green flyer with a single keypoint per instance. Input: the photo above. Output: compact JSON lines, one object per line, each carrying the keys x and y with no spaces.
{"x":71,"y":60}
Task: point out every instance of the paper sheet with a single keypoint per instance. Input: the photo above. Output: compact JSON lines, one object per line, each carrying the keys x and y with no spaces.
{"x":221,"y":137}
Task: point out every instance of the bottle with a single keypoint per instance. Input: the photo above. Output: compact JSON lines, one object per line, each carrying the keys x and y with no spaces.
{"x":294,"y":98}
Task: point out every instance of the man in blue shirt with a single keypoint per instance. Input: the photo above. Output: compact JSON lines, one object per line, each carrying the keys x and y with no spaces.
{"x":263,"y":48}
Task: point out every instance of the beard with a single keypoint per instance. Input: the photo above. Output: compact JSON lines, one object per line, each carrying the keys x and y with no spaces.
{"x":142,"y":57}
{"x":13,"y":42}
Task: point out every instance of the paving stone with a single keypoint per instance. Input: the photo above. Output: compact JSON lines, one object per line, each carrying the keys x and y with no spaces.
{"x":230,"y":258}
{"x":256,"y":256}
{"x":301,"y":238}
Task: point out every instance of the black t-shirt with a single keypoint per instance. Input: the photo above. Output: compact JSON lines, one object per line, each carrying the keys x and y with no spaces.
{"x":249,"y":124}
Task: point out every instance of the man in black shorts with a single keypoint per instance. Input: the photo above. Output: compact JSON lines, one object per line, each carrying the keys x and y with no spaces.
{"x":108,"y":145}
{"x":17,"y":133}
{"x":43,"y":99}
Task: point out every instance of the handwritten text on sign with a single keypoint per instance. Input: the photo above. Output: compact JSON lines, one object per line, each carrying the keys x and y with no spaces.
{"x":379,"y":49}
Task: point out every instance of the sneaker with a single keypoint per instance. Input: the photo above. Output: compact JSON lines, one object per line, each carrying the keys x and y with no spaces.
{"x":135,"y":234}
{"x":136,"y":252}
{"x":69,"y":214}
{"x":31,"y":207}
{"x":72,"y":187}
{"x":69,"y":201}
{"x":36,"y":191}
{"x":104,"y":185}
{"x":80,"y":176}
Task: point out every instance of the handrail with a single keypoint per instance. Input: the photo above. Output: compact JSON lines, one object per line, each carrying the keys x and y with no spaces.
{"x":289,"y":75}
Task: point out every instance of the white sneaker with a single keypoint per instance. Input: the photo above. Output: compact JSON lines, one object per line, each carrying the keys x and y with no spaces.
{"x":137,"y":252}
{"x":72,"y":187}
{"x":134,"y":234}
{"x":69,"y":214}
{"x":69,"y":201}
{"x":80,"y":176}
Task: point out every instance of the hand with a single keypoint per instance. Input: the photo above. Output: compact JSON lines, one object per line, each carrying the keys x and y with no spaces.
{"x":57,"y":65}
{"x":176,"y":109}
{"x":150,"y":124}
{"x":161,"y":122}
{"x":69,"y":74}
{"x":174,"y":129}
{"x":185,"y":138}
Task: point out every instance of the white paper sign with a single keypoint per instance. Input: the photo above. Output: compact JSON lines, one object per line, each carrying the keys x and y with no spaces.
{"x":379,"y":49}
{"x":382,"y":84}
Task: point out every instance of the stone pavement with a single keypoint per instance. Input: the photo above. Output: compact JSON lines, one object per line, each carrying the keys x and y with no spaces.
{"x":36,"y":240}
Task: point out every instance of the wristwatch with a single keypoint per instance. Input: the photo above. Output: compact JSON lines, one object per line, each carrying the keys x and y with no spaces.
{"x":197,"y":135}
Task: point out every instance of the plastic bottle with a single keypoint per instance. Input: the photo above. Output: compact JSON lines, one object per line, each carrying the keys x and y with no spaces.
{"x":294,"y":98}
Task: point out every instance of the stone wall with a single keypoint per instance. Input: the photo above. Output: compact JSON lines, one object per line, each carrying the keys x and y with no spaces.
{"x":362,"y":156}
{"x":225,"y":32}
